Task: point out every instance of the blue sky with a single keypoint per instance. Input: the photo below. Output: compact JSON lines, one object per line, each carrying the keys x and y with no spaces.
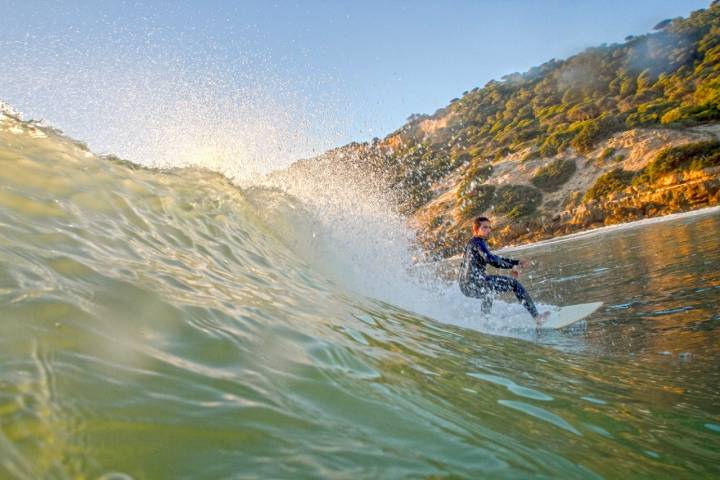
{"x":271,"y":81}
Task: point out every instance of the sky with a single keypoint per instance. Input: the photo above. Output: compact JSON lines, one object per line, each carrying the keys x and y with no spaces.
{"x":258,"y":84}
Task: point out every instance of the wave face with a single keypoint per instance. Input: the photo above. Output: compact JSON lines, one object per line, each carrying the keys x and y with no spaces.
{"x":169,"y":324}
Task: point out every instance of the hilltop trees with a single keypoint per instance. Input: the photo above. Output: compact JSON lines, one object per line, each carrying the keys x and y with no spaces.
{"x":669,"y":77}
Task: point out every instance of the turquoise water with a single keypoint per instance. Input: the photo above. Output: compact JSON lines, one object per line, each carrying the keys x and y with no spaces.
{"x":168,"y":324}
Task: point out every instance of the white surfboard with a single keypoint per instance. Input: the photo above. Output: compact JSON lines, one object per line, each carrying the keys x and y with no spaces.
{"x":568,"y":315}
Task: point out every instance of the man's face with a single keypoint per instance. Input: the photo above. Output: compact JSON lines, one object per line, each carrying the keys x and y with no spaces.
{"x":483,"y":230}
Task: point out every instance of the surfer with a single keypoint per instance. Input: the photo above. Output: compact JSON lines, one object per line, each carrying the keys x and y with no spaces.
{"x":475,"y":283}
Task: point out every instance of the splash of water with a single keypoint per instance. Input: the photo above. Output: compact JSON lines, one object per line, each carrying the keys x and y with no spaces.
{"x":358,"y":239}
{"x":166,"y":97}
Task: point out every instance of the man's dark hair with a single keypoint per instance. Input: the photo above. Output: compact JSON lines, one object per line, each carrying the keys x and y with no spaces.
{"x":479,"y":220}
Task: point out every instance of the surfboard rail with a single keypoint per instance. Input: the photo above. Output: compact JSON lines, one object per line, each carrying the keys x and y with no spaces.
{"x":569,"y":314}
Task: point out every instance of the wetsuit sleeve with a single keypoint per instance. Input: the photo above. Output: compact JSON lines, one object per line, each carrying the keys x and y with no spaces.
{"x":494,"y":260}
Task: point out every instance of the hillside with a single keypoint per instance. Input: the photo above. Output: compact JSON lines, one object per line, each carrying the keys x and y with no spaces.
{"x":539,"y":150}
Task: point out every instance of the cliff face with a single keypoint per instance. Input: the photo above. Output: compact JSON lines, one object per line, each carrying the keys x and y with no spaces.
{"x":675,"y":193}
{"x":443,"y":230}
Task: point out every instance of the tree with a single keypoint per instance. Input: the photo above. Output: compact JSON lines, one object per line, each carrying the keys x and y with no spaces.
{"x":663,"y":24}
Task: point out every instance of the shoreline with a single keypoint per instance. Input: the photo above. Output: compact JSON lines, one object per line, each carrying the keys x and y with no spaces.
{"x":450,"y":261}
{"x":618,"y":226}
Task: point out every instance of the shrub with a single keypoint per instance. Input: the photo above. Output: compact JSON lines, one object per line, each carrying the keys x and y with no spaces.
{"x":459,"y":158}
{"x":557,"y":142}
{"x":704,"y":113}
{"x":672,"y":116}
{"x":531,"y":155}
{"x":521,"y":135}
{"x":612,"y":181}
{"x":477,"y":202}
{"x":473,"y":179}
{"x":551,"y":177}
{"x":583,"y":111}
{"x":593,"y":131}
{"x":650,"y":112}
{"x":607,"y":153}
{"x":572,"y":200}
{"x":517,"y":200}
{"x":437,"y":221}
{"x":501,"y":153}
{"x":694,"y":156}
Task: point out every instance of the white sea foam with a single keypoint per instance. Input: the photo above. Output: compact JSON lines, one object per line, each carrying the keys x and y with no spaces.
{"x":356,"y":237}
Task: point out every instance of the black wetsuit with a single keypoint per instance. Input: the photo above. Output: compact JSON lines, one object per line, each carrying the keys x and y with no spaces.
{"x":474,"y":282}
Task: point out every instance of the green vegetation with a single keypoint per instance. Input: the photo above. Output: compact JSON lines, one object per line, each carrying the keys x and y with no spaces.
{"x":694,"y":156}
{"x":473,"y":196}
{"x":473,"y":179}
{"x":612,"y":181}
{"x":475,"y":204}
{"x":551,"y":177}
{"x":606,"y":154}
{"x":531,"y":155}
{"x":437,"y":221}
{"x":595,"y":130}
{"x":517,"y":200}
{"x":668,"y":77}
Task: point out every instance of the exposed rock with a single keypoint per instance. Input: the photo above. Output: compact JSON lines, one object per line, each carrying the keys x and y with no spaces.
{"x":6,"y":109}
{"x":564,"y":210}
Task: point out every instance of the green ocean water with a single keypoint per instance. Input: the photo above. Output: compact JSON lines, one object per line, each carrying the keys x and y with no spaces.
{"x":169,"y":324}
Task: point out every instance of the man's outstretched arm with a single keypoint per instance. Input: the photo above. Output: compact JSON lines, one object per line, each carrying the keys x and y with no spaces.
{"x":495,"y":260}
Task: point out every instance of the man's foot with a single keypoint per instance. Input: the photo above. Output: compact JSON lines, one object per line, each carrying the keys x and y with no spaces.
{"x":541,"y":318}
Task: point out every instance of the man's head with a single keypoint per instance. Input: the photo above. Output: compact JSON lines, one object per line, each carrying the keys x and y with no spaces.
{"x":481,"y":227}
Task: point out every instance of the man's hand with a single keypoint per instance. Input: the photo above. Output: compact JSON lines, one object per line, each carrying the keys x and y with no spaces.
{"x":515,"y":272}
{"x":523,"y":263}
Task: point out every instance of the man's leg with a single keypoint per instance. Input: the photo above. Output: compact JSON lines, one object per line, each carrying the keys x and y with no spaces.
{"x":500,"y":283}
{"x":486,"y":300}
{"x":481,"y":292}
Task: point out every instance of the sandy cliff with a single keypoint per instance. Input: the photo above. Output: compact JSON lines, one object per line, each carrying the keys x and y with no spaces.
{"x":442,"y":229}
